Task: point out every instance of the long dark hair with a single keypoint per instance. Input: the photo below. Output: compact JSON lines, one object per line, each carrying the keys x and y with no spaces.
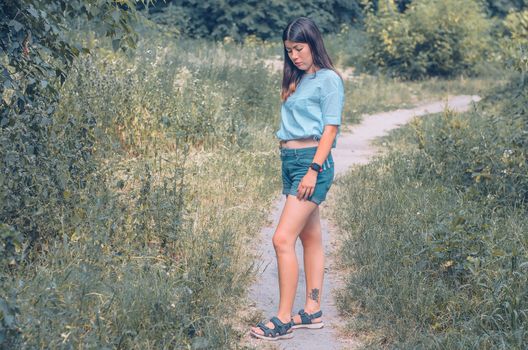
{"x":302,"y":30}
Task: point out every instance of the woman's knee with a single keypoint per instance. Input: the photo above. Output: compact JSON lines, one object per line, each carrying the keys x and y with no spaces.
{"x":282,"y":243}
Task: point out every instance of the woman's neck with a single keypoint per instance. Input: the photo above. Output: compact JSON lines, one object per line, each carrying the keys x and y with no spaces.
{"x":312,"y":69}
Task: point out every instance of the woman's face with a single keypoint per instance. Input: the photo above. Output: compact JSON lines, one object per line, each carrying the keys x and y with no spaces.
{"x":301,"y":55}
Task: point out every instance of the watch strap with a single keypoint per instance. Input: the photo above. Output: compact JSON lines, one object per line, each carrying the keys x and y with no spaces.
{"x":316,"y":167}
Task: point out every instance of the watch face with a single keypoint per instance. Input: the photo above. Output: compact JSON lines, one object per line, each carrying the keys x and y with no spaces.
{"x":315,"y":167}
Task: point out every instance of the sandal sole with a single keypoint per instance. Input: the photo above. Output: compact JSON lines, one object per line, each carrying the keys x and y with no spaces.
{"x":288,"y":335}
{"x":317,"y":325}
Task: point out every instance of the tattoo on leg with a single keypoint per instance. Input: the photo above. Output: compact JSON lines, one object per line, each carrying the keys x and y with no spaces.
{"x":314,"y":294}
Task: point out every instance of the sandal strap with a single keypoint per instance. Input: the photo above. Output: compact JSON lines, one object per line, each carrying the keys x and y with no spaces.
{"x":307,"y":318}
{"x":267,"y":331}
{"x":280,"y":327}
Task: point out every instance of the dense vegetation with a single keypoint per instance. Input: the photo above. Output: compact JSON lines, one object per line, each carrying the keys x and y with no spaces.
{"x":265,"y":19}
{"x":120,"y":204}
{"x":38,"y":165}
{"x":431,"y":38}
{"x":132,"y":181}
{"x":436,"y":231}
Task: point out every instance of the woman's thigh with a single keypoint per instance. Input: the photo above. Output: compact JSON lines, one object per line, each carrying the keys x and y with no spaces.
{"x":312,"y":230}
{"x":294,"y":217}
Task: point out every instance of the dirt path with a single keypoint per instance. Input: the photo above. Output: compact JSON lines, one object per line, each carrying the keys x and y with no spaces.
{"x":353,"y":147}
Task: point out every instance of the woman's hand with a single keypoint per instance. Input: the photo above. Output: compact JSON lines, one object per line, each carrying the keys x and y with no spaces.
{"x":307,"y":185}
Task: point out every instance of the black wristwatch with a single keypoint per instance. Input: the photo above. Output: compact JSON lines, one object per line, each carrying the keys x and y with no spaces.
{"x":316,"y":167}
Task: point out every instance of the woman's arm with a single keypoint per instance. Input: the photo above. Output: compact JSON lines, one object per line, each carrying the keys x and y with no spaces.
{"x":307,"y":185}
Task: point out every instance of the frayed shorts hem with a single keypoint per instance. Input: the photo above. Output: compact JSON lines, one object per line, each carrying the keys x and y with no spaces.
{"x":311,"y":199}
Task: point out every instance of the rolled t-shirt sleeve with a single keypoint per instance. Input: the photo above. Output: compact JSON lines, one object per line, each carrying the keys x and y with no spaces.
{"x":332,"y":100}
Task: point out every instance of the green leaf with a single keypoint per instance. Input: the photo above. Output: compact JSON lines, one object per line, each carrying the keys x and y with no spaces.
{"x":75,"y":51}
{"x":31,"y":10}
{"x":116,"y":43}
{"x":5,"y":74}
{"x":116,"y":15}
{"x":7,"y":84}
{"x":16,"y":25}
{"x":131,"y":42}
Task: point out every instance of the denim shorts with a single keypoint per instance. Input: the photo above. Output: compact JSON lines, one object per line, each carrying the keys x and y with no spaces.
{"x":295,"y":164}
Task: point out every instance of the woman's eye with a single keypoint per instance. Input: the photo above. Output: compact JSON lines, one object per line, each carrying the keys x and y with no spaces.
{"x":298,"y":49}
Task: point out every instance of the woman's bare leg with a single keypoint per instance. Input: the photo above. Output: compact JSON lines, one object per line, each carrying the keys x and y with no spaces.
{"x":293,"y":218}
{"x":312,"y":240}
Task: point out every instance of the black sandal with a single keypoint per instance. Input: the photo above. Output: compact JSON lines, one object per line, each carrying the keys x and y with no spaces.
{"x":307,"y":320}
{"x":281,"y":330}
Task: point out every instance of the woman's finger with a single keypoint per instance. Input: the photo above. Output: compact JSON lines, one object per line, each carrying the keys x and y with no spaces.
{"x":310,"y":192}
{"x":306,"y":192}
{"x":300,"y":191}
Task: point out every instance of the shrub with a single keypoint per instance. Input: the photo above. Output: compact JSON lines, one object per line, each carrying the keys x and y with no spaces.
{"x":431,"y":38}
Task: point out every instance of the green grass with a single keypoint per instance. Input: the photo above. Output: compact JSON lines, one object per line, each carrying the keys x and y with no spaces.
{"x":163,"y":285}
{"x":147,"y":248}
{"x":367,"y":94}
{"x":435,"y":232}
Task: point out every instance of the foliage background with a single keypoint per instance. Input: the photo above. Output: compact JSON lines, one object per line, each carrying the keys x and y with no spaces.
{"x":217,"y":19}
{"x":137,"y":164}
{"x":431,"y":38}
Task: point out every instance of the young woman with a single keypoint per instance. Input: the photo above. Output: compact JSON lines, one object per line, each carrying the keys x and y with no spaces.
{"x":313,"y":96}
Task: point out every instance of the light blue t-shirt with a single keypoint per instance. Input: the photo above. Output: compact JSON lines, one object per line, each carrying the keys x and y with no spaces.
{"x":317,"y":101}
